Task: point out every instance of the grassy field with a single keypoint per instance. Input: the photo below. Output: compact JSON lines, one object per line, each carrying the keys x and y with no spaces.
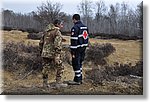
{"x":126,"y":52}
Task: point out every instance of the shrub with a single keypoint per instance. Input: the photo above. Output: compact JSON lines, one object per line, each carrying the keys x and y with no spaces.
{"x":117,"y":36}
{"x":16,"y":55}
{"x":110,"y":72}
{"x":97,"y":52}
{"x":35,"y":36}
{"x":125,"y":78}
{"x":66,"y":56}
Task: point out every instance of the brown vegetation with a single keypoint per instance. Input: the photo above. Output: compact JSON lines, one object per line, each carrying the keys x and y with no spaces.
{"x":122,"y":78}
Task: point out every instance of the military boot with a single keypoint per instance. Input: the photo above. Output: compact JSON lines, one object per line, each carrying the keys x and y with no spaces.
{"x":74,"y":83}
{"x":61,"y":85}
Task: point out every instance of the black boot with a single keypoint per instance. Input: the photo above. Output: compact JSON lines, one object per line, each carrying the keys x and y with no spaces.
{"x":74,"y":83}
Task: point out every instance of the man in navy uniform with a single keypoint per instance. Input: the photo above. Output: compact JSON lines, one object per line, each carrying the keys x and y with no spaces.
{"x":79,"y":42}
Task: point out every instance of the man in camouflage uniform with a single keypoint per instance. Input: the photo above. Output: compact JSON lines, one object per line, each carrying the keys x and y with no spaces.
{"x":51,"y":47}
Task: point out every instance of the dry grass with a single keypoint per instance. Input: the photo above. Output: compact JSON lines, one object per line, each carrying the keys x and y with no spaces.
{"x":129,"y":51}
{"x":126,"y":52}
{"x":18,"y":36}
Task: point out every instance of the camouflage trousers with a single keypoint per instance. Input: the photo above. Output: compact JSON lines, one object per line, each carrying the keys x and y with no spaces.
{"x":53,"y":63}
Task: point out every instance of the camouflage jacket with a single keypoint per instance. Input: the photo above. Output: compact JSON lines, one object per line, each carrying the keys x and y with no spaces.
{"x":51,"y":42}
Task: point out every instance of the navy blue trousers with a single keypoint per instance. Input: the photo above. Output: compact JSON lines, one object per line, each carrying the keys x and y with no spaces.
{"x":77,"y":63}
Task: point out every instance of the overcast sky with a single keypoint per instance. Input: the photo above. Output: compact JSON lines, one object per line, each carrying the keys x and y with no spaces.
{"x":69,"y":6}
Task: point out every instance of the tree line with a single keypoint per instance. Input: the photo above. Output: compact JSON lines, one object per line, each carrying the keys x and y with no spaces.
{"x":101,"y":19}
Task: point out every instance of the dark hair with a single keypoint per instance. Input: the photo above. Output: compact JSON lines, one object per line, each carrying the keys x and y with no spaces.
{"x":76,"y":17}
{"x":57,"y":21}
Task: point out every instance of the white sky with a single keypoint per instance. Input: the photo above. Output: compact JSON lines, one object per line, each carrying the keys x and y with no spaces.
{"x":69,"y":6}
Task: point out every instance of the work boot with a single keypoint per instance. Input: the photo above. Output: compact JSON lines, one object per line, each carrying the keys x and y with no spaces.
{"x":73,"y":83}
{"x":61,"y":85}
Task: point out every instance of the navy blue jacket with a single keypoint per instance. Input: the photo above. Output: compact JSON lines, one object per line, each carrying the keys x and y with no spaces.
{"x":79,"y":36}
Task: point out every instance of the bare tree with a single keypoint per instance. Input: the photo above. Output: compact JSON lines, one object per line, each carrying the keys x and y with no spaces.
{"x":140,"y":17}
{"x":99,"y":17}
{"x":47,"y":12}
{"x":124,"y":18}
{"x":19,"y":21}
{"x":85,"y":9}
{"x":7,"y":15}
{"x":113,"y":18}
